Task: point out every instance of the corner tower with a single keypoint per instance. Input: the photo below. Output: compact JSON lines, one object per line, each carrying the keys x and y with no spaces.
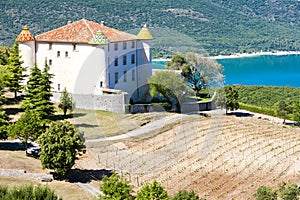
{"x":27,"y":47}
{"x":144,"y":60}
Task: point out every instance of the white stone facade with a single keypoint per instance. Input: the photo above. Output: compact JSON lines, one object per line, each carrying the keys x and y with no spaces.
{"x":90,"y":69}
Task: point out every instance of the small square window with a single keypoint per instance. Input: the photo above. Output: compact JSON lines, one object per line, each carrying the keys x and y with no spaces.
{"x":124,"y":45}
{"x":124,"y":60}
{"x":116,"y":46}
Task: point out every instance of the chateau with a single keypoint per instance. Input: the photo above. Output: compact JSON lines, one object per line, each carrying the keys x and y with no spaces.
{"x":90,"y":58}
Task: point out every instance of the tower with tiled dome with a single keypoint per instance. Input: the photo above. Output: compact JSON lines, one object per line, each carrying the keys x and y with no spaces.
{"x":27,"y":47}
{"x":91,"y":58}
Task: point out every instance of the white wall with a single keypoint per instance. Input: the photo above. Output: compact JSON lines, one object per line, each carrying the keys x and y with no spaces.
{"x":80,"y":72}
{"x":27,"y":52}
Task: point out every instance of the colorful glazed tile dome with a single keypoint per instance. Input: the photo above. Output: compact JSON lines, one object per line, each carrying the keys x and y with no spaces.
{"x":99,"y":38}
{"x":25,"y":35}
{"x":145,"y":34}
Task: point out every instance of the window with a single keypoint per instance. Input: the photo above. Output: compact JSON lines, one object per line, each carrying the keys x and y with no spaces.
{"x":58,"y":87}
{"x":101,"y":84}
{"x":124,"y":45}
{"x":125,"y":76}
{"x":133,"y":75}
{"x":116,"y":77}
{"x":124,"y":60}
{"x":116,"y":61}
{"x":132,"y":58}
{"x":74,"y":47}
{"x":132,"y":44}
{"x":50,"y":46}
{"x":58,"y":53}
{"x":50,"y":62}
{"x":108,"y":78}
{"x":108,"y":47}
{"x":66,"y":54}
{"x":116,"y":47}
{"x":108,"y":61}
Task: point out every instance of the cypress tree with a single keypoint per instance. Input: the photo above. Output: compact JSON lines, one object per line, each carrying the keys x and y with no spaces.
{"x":14,"y":66}
{"x":39,"y":92}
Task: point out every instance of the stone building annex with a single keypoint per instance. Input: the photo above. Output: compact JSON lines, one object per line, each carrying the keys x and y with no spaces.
{"x":96,"y":63}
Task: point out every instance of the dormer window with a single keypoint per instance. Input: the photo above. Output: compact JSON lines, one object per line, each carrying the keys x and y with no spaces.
{"x":58,"y":53}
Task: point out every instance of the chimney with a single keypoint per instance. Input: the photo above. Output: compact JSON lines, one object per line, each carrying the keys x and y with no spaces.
{"x":69,"y":22}
{"x":102,"y":23}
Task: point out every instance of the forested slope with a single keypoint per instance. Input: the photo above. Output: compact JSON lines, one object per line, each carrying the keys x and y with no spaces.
{"x":218,"y":26}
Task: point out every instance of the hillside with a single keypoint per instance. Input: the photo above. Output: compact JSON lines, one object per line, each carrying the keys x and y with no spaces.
{"x":218,"y":26}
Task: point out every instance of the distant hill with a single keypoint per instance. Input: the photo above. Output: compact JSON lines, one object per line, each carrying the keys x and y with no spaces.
{"x":214,"y":26}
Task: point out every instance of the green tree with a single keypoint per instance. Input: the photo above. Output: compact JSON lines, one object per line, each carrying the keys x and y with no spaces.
{"x":60,"y":146}
{"x":38,"y":92}
{"x":152,"y":191}
{"x":28,"y":127}
{"x":45,"y":106}
{"x":177,"y":61}
{"x":14,"y":65}
{"x":185,"y":195}
{"x":296,"y":111}
{"x":283,"y":108}
{"x":3,"y":116}
{"x":290,"y":192}
{"x":228,"y":98}
{"x":168,"y":85}
{"x":4,"y":55}
{"x":265,"y":193}
{"x":66,"y":102}
{"x":27,"y":192}
{"x":202,"y":72}
{"x":116,"y":188}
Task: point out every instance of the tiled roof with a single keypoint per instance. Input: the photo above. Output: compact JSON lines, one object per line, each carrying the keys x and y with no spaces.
{"x":145,"y":34}
{"x":99,"y":38}
{"x":25,"y":35}
{"x":83,"y":31}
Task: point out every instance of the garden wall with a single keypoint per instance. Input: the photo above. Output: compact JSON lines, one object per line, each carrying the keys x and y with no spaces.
{"x":107,"y":102}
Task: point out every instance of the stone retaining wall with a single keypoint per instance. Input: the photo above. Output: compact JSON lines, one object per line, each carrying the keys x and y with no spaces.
{"x":24,"y":175}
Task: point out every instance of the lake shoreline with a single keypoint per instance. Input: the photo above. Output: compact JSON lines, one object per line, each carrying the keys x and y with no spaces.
{"x":242,"y":55}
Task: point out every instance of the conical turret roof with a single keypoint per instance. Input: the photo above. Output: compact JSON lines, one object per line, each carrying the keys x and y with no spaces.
{"x":145,"y":34}
{"x":99,"y":38}
{"x":25,"y":35}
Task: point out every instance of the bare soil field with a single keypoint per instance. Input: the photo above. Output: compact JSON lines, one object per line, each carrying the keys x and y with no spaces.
{"x":220,"y":157}
{"x":17,"y":160}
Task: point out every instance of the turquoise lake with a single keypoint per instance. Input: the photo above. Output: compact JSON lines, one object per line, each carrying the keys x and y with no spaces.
{"x":268,"y":70}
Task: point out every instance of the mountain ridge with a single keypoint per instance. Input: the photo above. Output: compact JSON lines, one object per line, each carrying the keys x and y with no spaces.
{"x":218,"y":26}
